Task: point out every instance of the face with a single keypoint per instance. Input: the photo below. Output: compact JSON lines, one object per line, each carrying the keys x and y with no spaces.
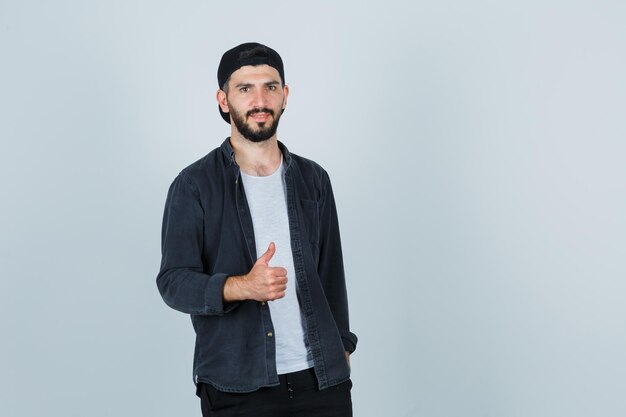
{"x":255,"y":101}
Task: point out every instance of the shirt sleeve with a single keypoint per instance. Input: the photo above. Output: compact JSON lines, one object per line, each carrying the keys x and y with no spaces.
{"x":330,"y":266}
{"x":181,"y":281}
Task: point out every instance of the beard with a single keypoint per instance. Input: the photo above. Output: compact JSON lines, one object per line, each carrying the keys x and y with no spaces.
{"x":265,"y":130}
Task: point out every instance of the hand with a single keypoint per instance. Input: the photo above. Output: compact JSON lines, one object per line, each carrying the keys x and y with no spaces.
{"x":262,"y":283}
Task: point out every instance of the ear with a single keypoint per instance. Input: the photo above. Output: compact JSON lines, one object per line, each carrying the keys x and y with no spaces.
{"x":285,"y":94}
{"x":221,"y":100}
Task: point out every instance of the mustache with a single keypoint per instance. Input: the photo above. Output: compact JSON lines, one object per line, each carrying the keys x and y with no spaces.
{"x":260,"y":110}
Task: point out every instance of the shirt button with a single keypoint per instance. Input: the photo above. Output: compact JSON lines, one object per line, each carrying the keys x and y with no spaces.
{"x":269,"y":334}
{"x":262,"y":303}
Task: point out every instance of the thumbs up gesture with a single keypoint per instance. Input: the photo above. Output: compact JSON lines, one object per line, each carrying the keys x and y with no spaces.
{"x":267,"y":256}
{"x":262,"y":283}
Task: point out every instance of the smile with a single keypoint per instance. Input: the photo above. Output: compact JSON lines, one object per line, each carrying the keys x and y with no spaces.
{"x":260,"y":117}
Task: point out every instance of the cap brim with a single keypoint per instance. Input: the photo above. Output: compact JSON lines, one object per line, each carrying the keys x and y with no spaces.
{"x":225,"y":116}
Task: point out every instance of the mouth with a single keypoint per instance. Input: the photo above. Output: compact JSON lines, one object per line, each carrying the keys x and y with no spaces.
{"x":260,"y":115}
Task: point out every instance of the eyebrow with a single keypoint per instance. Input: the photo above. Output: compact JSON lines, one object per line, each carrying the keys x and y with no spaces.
{"x":273,"y":82}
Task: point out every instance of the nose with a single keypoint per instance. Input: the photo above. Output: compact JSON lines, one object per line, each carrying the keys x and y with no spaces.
{"x":260,"y":98}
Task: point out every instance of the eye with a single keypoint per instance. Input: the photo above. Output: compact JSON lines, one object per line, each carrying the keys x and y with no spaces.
{"x":271,"y":87}
{"x":244,"y":89}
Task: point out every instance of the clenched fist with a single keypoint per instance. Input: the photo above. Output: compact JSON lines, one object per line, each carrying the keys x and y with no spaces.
{"x":262,"y":283}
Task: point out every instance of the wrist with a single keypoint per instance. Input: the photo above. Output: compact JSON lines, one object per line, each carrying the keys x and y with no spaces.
{"x":234,"y":288}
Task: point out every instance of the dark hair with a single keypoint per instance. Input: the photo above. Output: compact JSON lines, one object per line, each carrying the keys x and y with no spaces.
{"x":225,"y":86}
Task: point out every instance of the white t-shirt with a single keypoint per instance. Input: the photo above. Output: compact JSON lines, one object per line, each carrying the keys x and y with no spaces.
{"x":268,"y":206}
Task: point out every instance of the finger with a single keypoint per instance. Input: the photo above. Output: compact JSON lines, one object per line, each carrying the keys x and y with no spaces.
{"x":265,"y":258}
{"x":277,"y":281}
{"x":278,"y":271}
{"x":277,"y":291}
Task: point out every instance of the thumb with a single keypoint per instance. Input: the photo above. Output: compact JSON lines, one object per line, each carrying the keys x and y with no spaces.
{"x":265,"y":258}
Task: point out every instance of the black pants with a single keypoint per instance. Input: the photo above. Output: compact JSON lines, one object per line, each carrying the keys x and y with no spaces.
{"x":296,"y":396}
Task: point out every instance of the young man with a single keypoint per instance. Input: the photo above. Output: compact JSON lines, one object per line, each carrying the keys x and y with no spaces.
{"x":251,"y":250}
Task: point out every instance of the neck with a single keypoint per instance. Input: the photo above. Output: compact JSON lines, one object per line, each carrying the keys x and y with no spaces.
{"x":256,"y":158}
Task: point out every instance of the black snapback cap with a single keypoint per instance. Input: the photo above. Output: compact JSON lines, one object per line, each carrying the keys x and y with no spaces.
{"x":250,"y":53}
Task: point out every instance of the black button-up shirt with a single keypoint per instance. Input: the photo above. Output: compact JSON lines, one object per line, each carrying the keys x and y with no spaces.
{"x":208,"y":235}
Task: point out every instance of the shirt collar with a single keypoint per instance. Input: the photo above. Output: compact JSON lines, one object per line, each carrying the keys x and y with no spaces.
{"x":229,"y":153}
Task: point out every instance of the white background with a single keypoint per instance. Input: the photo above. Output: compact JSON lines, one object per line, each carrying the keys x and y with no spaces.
{"x":477,"y":155}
